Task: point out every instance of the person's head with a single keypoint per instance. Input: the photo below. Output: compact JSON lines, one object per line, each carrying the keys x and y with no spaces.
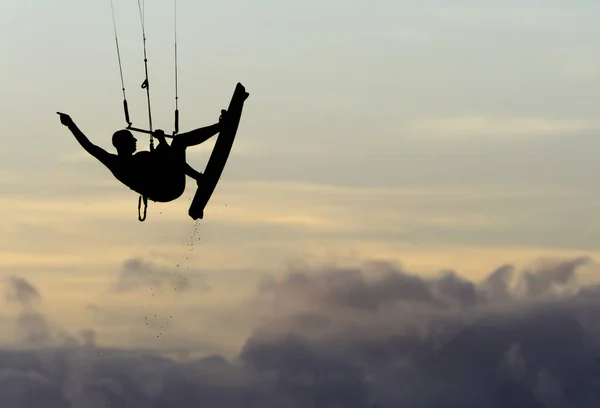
{"x":124,"y":142}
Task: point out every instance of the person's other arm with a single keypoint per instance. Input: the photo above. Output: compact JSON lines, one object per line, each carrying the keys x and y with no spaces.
{"x":96,"y":151}
{"x":162,"y":141}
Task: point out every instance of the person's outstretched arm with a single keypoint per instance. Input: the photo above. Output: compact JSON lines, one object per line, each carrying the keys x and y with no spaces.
{"x":96,"y":151}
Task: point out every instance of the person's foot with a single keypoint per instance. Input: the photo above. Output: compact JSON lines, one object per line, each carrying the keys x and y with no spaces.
{"x":223,"y":115}
{"x":199,"y":179}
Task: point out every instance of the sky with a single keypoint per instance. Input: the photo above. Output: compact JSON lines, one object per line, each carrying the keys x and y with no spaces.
{"x":410,"y":181}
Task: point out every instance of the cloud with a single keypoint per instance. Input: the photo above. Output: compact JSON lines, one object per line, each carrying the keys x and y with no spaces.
{"x":32,"y":327}
{"x":89,"y":337}
{"x":582,"y":69}
{"x":19,"y":290}
{"x":373,"y":335}
{"x":137,"y":274}
{"x":495,"y":127}
{"x":446,"y":342}
{"x":536,"y":282}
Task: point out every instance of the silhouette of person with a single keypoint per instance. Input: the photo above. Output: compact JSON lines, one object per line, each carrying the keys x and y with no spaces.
{"x":158,"y":174}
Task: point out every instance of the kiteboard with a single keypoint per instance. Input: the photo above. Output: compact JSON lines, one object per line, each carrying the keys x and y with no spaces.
{"x":220,"y":153}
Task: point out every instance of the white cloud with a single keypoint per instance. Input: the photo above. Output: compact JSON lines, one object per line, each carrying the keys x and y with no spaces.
{"x":481,"y":128}
{"x":582,"y":69}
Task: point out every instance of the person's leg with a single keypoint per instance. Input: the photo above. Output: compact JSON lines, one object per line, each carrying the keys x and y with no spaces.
{"x":173,"y":159}
{"x":193,"y":173}
{"x":196,"y":136}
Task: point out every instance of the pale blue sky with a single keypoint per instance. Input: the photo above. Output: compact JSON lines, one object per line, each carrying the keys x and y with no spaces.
{"x":355,"y":77}
{"x":456,"y":134}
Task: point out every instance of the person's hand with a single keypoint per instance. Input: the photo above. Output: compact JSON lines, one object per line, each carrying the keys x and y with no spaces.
{"x":65,"y":119}
{"x":158,"y":133}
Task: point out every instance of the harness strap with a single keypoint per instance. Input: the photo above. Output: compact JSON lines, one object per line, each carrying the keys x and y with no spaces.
{"x":142,"y":197}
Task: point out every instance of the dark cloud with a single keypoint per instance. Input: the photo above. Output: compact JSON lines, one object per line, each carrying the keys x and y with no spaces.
{"x":32,"y":326}
{"x":370,"y":337}
{"x":138,"y":274}
{"x":497,"y":285}
{"x":89,"y":337}
{"x":22,"y":292}
{"x":105,"y":316}
{"x":541,"y":281}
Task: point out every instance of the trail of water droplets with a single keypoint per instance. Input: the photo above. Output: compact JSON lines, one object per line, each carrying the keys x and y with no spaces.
{"x":155,"y":322}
